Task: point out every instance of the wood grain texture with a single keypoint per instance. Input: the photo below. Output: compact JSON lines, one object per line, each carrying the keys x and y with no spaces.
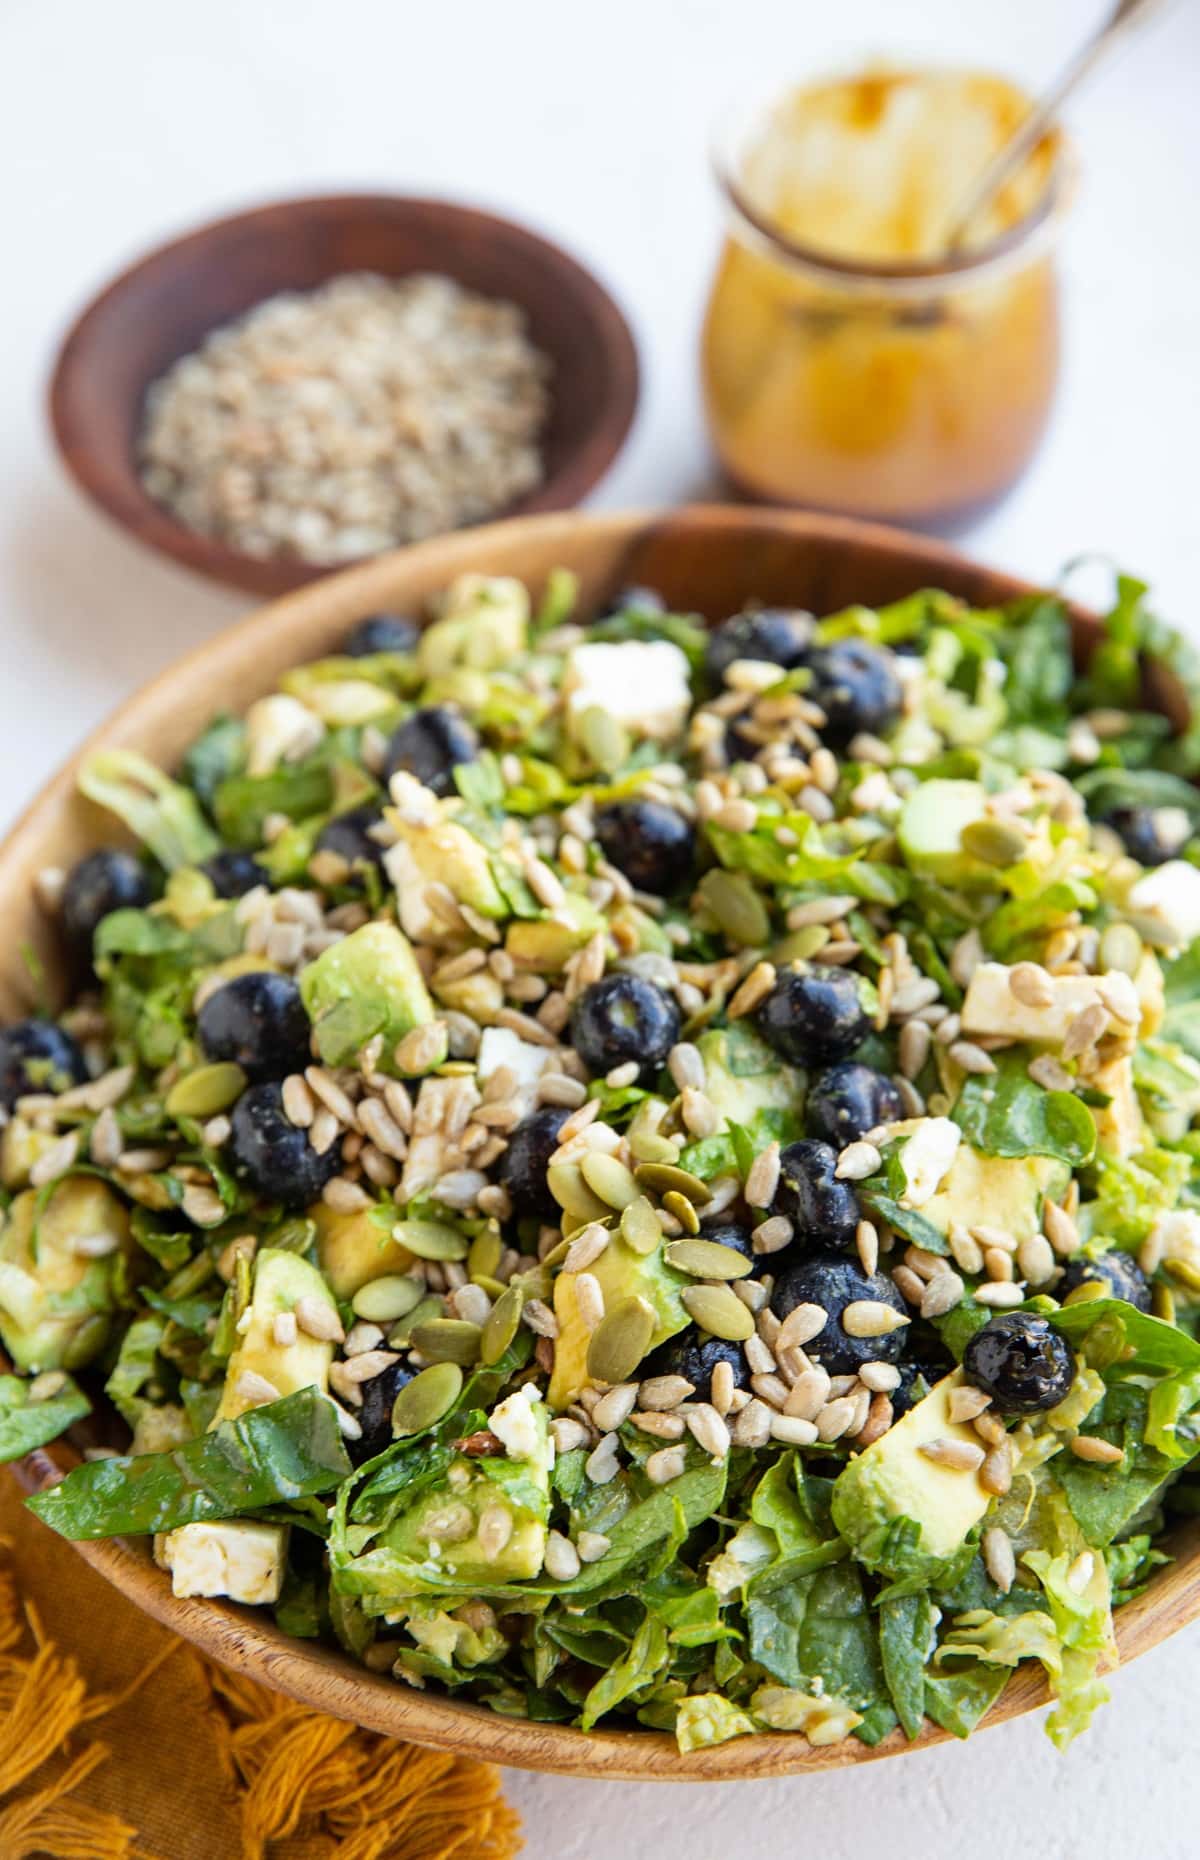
{"x":711,"y":560}
{"x":163,"y":306}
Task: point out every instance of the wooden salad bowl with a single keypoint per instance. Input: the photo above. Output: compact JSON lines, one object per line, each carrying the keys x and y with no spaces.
{"x":164,"y":305}
{"x":707,"y":559}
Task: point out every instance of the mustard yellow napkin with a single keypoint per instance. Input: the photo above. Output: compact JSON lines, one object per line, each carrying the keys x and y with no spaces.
{"x":118,"y":1742}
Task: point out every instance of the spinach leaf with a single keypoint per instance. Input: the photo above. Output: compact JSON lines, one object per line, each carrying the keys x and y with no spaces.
{"x":647,"y":1656}
{"x":1006,"y":1114}
{"x":957,"y":1701}
{"x":215,"y":755}
{"x":284,"y":1450}
{"x":816,"y":1624}
{"x":907,"y":1637}
{"x":134,"y":1366}
{"x":26,"y":1424}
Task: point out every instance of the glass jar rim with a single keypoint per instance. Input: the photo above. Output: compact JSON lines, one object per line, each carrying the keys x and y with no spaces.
{"x":1015,"y":246}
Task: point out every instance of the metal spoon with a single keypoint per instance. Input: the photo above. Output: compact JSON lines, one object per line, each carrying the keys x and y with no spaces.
{"x":1030,"y":131}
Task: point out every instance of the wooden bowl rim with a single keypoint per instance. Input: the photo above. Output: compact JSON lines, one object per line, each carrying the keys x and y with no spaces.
{"x":321,"y":1677}
{"x":133,"y":510}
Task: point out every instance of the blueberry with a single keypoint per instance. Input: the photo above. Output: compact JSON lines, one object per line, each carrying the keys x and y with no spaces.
{"x":823,"y":1211}
{"x":620,"y":1018}
{"x":381,"y":633}
{"x":1151,"y":835}
{"x":233,"y":874}
{"x":741,"y":1240}
{"x":1120,"y":1276}
{"x":833,"y":1282}
{"x":431,"y":744}
{"x":779,"y":637}
{"x":694,"y":1357}
{"x":259,"y":1021}
{"x":856,"y":686}
{"x":108,"y":880}
{"x":916,"y":1380}
{"x":275,"y":1157}
{"x":636,"y":601}
{"x":1021,"y":1361}
{"x":37,"y":1056}
{"x":652,"y":844}
{"x":847,"y":1101}
{"x":814,"y":1015}
{"x":524,"y":1163}
{"x":349,"y":835}
{"x":375,"y":1415}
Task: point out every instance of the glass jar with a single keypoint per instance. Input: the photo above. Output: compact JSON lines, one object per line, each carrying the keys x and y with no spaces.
{"x":915,"y":388}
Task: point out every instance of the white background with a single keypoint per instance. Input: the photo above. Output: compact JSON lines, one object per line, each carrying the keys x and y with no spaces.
{"x":125,"y":121}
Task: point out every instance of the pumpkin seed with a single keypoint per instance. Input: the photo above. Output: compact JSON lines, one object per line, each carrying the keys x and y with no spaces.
{"x":993,"y":841}
{"x":603,"y":739}
{"x":566,"y":1184}
{"x":682,"y":1209}
{"x":739,"y":910}
{"x":719,"y":1311}
{"x":608,"y":1177}
{"x":495,"y":1288}
{"x":206,"y":1091}
{"x":1085,"y":1293}
{"x":501,"y":1325}
{"x":385,"y":1300}
{"x":801,"y":945}
{"x":620,"y":1340}
{"x":1121,"y":948}
{"x":661,"y":1178}
{"x":449,"y":1340}
{"x":639,"y":1226}
{"x":483,"y":1256}
{"x":431,"y":1239}
{"x":425,"y":1399}
{"x":707,"y":1259}
{"x":649,"y":1147}
{"x":400,"y":1335}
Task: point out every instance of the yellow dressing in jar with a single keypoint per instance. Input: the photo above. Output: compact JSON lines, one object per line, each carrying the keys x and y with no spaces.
{"x":848,"y":360}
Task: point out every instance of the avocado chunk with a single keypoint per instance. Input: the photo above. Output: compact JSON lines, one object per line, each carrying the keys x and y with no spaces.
{"x":438,"y":851}
{"x":621,"y":1273}
{"x":280,"y":1280}
{"x":744,"y":1076}
{"x":353,"y":1249}
{"x":20,"y":1147}
{"x":1003,"y":1191}
{"x":892,"y":1479}
{"x":443,"y":1528}
{"x":56,"y":1304}
{"x":484,"y":624}
{"x":930,"y":831}
{"x":548,"y":943}
{"x":367,"y":983}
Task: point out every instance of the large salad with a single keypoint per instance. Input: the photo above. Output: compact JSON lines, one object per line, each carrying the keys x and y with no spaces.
{"x":639,"y":1173}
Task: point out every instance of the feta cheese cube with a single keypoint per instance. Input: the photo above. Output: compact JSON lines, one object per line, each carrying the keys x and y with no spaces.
{"x":1165,"y":904}
{"x":991,"y":1007}
{"x":515,"y":1424}
{"x":926,"y":1158}
{"x":279,"y":729}
{"x":237,"y":1557}
{"x":644,"y":684}
{"x":500,"y":1047}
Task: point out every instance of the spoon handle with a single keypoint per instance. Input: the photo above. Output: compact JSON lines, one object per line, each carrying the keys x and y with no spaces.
{"x":1031,"y":129}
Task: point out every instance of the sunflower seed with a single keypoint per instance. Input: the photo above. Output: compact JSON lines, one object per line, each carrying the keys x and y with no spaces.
{"x":762,"y":1180}
{"x":1099,"y":1452}
{"x":857,"y":1161}
{"x":561,"y":1558}
{"x":958,"y":1455}
{"x":616,"y":1406}
{"x":999,"y":1559}
{"x":800,"y":1326}
{"x":869,"y":1317}
{"x":318,"y":1319}
{"x":1000,"y":1297}
{"x":835,"y":1418}
{"x":967,"y":1403}
{"x":667,"y":1464}
{"x":592,"y":1545}
{"x":494,"y":1530}
{"x":808,"y":1394}
{"x":601,"y":1464}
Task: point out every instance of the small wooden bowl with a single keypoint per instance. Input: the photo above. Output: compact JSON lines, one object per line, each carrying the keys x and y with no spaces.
{"x":162,"y":307}
{"x":709,"y":560}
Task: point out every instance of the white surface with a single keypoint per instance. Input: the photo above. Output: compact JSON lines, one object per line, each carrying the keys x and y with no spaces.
{"x":125,"y":121}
